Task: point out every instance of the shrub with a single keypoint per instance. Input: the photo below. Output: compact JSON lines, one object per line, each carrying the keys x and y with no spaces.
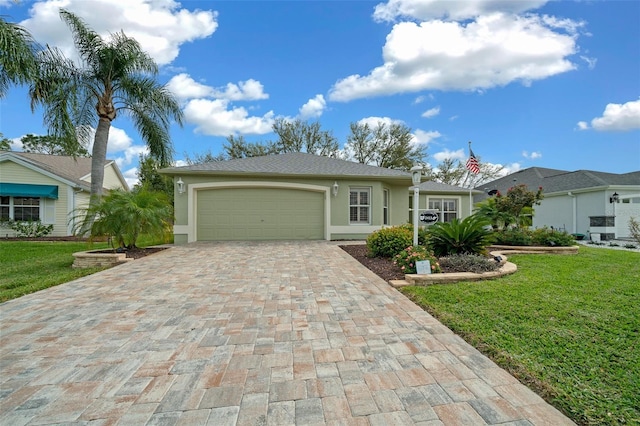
{"x":29,"y":229}
{"x":124,"y":216}
{"x":513,"y":237}
{"x":552,"y":238}
{"x":408,"y":257}
{"x":456,"y":237}
{"x":387,"y":242}
{"x":634,"y":229}
{"x":468,"y":263}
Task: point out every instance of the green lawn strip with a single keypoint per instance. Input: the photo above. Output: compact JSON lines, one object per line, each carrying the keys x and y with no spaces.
{"x":566,"y":325}
{"x":30,"y":266}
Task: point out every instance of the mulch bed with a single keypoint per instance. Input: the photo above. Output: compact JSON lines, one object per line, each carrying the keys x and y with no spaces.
{"x":382,"y":267}
{"x":135,"y":253}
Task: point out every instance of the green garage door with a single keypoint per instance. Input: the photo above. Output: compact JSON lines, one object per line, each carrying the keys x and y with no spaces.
{"x":260,"y":214}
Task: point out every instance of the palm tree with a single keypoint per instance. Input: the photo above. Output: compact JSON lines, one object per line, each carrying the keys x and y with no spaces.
{"x":115,"y":77}
{"x":18,"y":63}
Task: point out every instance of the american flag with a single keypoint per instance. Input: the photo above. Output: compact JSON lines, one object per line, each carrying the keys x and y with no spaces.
{"x":472,"y":163}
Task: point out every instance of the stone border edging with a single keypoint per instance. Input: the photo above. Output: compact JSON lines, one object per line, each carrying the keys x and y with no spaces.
{"x":506,"y":268}
{"x":92,"y":259}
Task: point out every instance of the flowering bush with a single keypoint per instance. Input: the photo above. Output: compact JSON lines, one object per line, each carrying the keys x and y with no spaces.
{"x":408,"y":257}
{"x":387,"y":242}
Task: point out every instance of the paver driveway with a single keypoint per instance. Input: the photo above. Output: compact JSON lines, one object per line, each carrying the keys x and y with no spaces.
{"x":245,"y":333}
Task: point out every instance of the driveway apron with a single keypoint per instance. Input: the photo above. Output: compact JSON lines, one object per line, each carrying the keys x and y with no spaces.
{"x":276,"y":333}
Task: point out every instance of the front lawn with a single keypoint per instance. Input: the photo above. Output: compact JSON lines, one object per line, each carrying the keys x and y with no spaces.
{"x":568,"y":326}
{"x":29,"y":266}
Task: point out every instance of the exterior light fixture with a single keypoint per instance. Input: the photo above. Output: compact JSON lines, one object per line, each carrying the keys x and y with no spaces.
{"x":181,"y":186}
{"x":614,"y":198}
{"x":416,"y":176}
{"x":334,"y":189}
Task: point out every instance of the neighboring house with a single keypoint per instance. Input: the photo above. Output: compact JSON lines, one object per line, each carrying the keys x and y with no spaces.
{"x":48,"y":188}
{"x":580,"y":202}
{"x":447,"y":202}
{"x":287,"y":197}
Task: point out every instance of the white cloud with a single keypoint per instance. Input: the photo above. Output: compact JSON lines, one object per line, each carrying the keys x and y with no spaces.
{"x":421,"y":137}
{"x":218,"y":118}
{"x":184,"y":87}
{"x":447,"y":9}
{"x":532,"y":156}
{"x":249,"y":90}
{"x":374,"y":122}
{"x":591,"y":62}
{"x":446,"y":154}
{"x":493,"y":50}
{"x":453,"y":118}
{"x":313,"y":108}
{"x":160,"y":26}
{"x":616,"y":117}
{"x":431,"y":112}
{"x":509,"y":168}
{"x":583,"y":125}
{"x":131,"y":176}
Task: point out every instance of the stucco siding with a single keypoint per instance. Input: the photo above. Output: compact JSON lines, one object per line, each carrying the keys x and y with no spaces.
{"x":338,"y":223}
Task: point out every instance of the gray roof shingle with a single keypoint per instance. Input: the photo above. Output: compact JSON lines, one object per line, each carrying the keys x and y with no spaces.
{"x":291,"y":164}
{"x":552,"y":180}
{"x":66,"y":167}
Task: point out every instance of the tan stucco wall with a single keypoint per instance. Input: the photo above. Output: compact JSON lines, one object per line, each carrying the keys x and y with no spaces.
{"x":339,"y":205}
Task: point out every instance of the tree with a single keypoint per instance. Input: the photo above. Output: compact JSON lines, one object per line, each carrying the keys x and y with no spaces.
{"x":389,"y":146}
{"x":114,"y":76}
{"x":519,"y":203}
{"x":52,"y":145}
{"x":205,"y":157}
{"x":5,"y":144}
{"x":293,"y":136}
{"x":124,"y":216}
{"x":240,"y":148}
{"x":150,"y":180}
{"x":454,"y":172}
{"x":301,"y":136}
{"x":18,"y":57}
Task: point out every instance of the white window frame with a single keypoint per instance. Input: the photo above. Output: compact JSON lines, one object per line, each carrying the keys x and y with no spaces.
{"x":441,"y":212}
{"x":385,"y":206}
{"x":359,"y":206}
{"x":12,"y":205}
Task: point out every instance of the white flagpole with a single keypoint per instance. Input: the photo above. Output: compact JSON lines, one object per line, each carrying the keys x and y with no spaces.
{"x":469,"y":176}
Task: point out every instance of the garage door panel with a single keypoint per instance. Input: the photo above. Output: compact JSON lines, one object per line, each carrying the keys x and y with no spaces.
{"x":259,"y":214}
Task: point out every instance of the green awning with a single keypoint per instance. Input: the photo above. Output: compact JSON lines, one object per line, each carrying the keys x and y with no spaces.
{"x":26,"y":190}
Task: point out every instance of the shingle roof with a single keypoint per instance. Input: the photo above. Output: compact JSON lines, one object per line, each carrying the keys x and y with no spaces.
{"x":552,"y":180}
{"x":66,"y":167}
{"x":290,"y":164}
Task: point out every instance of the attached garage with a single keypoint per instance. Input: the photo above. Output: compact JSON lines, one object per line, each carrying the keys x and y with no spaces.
{"x":247,"y":213}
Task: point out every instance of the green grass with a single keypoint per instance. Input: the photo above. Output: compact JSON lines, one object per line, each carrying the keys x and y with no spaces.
{"x":30,"y":266}
{"x":568,"y":326}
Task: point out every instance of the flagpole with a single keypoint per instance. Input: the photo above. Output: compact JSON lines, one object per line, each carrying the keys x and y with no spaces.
{"x":469,"y":176}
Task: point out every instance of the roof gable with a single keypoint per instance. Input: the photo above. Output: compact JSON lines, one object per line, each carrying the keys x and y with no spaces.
{"x":70,"y":169}
{"x":290,"y":164}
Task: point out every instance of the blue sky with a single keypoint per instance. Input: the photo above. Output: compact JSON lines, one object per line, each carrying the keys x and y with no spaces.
{"x":529,"y":82}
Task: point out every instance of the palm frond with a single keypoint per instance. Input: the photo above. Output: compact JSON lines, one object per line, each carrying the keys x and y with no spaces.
{"x":88,"y":42}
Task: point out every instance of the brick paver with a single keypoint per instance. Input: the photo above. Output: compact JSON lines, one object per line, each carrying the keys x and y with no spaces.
{"x":249,"y":334}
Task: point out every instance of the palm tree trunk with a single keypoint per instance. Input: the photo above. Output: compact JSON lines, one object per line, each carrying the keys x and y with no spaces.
{"x":99,"y":155}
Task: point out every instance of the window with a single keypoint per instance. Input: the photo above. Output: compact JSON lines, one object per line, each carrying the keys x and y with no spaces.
{"x":385,"y":207}
{"x":359,"y":205}
{"x":447,"y":208}
{"x":20,"y":208}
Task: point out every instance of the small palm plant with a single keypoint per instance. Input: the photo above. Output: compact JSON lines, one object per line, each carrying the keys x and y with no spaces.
{"x":124,"y":216}
{"x":469,"y":236}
